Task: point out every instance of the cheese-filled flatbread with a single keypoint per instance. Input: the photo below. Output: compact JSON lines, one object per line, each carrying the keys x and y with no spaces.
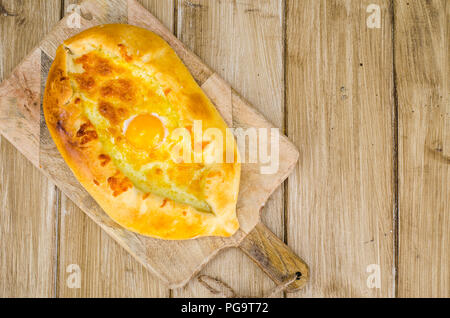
{"x":141,"y":136}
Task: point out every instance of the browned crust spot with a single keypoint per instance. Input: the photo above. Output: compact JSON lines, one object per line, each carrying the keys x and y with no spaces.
{"x":85,"y":81}
{"x":93,"y":63}
{"x":86,"y":133}
{"x":114,"y":115}
{"x":164,"y":203}
{"x":124,"y":53}
{"x":104,"y":159}
{"x":121,"y":88}
{"x":119,"y":184}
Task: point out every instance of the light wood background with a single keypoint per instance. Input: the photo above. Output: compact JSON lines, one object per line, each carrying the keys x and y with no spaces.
{"x":369,"y":110}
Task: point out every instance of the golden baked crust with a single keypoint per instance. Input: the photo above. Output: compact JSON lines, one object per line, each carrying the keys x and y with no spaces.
{"x":114,"y":95}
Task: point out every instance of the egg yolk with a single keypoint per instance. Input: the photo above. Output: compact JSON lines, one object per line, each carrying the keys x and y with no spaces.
{"x":145,"y":131}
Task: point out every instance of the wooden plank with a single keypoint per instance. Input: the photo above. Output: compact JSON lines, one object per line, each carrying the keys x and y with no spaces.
{"x":422,"y":68}
{"x":28,"y":214}
{"x":339,"y":107}
{"x":107,"y":270}
{"x":163,"y":10}
{"x":27,"y":228}
{"x":242,"y":42}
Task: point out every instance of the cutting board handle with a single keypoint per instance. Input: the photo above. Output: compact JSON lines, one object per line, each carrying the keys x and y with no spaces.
{"x":274,"y":257}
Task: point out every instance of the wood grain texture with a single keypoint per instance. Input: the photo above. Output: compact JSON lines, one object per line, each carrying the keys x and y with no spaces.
{"x":27,"y":213}
{"x":163,"y":10}
{"x":422,"y":32}
{"x":242,"y":41}
{"x":27,"y":228}
{"x":107,"y":269}
{"x":339,"y":107}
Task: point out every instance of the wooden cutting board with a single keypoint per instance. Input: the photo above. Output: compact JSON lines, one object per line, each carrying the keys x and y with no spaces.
{"x":174,"y":262}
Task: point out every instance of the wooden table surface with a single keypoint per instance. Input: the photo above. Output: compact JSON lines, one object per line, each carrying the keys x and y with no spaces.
{"x":368,"y":106}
